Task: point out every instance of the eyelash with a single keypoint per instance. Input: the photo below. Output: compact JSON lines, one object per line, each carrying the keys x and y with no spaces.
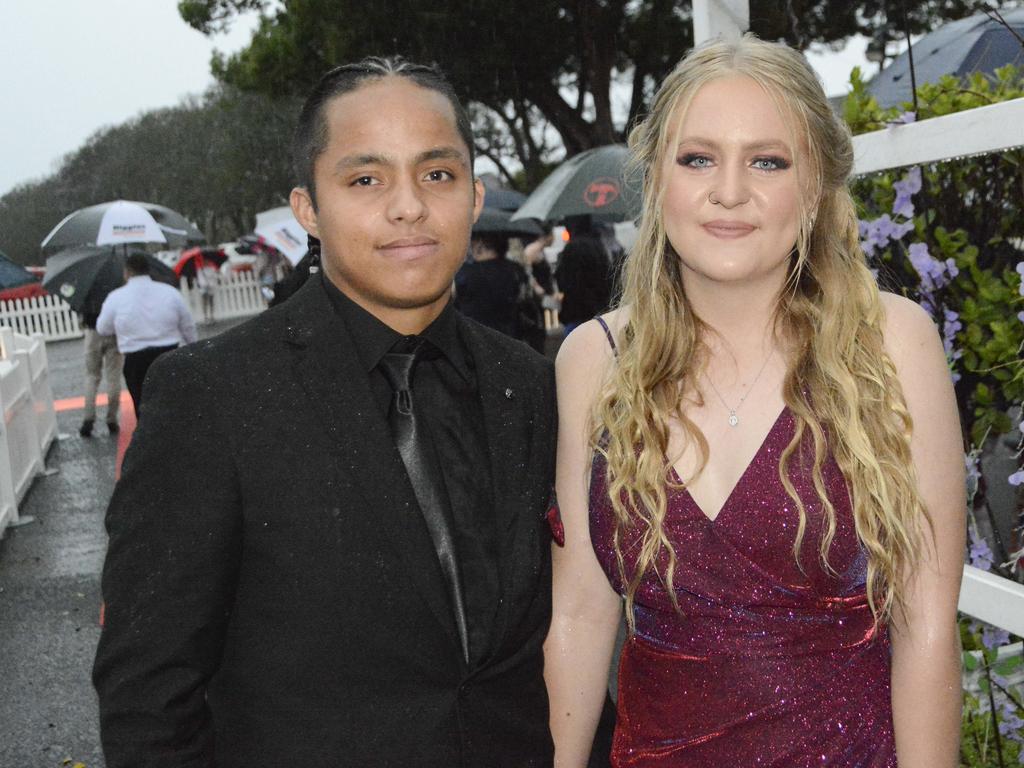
{"x":778,"y":163}
{"x":449,"y":176}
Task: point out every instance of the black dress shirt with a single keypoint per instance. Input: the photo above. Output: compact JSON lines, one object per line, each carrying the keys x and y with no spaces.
{"x":445,"y":387}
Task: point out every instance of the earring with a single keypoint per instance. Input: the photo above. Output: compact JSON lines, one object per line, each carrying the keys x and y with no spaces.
{"x":313,"y":244}
{"x":712,"y":200}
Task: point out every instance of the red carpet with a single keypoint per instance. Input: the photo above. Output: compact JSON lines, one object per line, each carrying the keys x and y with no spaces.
{"x":127,"y":420}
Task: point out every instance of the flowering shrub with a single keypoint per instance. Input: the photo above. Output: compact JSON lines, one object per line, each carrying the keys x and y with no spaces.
{"x":951,"y":236}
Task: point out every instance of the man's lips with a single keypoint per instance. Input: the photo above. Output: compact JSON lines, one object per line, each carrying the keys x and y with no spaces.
{"x":728,"y":229}
{"x":410,"y":247}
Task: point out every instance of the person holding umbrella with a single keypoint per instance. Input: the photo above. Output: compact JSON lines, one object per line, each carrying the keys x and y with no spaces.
{"x":83,"y":276}
{"x":148,"y":318}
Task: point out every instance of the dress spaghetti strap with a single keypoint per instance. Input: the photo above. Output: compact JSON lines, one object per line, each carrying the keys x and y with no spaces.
{"x":608,"y":334}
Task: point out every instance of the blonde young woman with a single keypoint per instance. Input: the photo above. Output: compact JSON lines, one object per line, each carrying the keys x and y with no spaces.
{"x":759,"y":452}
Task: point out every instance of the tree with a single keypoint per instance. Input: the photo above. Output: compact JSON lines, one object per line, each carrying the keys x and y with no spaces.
{"x":218,"y":160}
{"x":526,"y":69}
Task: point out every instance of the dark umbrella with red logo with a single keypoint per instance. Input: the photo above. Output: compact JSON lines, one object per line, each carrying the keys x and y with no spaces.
{"x":591,"y":184}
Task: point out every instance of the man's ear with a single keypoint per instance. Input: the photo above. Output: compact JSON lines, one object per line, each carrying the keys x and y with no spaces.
{"x":478,"y":198}
{"x":304,"y":210}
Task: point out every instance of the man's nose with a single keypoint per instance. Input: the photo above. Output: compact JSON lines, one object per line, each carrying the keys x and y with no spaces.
{"x":406,"y":202}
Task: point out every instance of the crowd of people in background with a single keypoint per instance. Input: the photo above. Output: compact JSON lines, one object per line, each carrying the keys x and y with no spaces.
{"x":508,"y":286}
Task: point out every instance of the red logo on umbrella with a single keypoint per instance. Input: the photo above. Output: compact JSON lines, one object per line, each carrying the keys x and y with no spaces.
{"x":601,"y":192}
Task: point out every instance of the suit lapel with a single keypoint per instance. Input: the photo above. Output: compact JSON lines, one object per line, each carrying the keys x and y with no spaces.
{"x":504,"y":401}
{"x":328,"y":369}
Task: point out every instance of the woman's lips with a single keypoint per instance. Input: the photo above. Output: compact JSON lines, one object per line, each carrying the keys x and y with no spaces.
{"x":728,"y":230}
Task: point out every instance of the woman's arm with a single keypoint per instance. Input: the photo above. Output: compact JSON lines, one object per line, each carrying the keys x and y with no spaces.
{"x":926,"y":687}
{"x":585,"y":609}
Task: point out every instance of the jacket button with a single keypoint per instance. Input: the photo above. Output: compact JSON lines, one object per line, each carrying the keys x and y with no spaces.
{"x":464,"y":690}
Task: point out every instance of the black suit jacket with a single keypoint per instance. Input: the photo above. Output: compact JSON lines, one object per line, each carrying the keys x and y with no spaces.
{"x":273,"y":595}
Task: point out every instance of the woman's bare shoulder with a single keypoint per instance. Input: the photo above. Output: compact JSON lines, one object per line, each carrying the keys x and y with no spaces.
{"x":588,"y":346}
{"x":907,"y":328}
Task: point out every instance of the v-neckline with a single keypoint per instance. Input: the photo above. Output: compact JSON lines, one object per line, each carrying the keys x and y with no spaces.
{"x":743,"y":475}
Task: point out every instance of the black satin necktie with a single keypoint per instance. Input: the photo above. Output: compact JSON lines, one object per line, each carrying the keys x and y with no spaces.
{"x":421,"y":464}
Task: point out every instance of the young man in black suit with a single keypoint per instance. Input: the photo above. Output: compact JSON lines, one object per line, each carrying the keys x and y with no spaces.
{"x":328,"y":544}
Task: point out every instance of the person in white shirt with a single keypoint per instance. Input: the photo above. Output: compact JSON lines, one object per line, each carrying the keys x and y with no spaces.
{"x":148,"y":318}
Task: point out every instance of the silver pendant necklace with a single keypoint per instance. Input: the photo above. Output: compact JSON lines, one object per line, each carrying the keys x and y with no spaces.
{"x":734,"y":420}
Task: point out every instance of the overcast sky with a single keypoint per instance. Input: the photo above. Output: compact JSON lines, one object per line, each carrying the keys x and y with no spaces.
{"x":75,"y":66}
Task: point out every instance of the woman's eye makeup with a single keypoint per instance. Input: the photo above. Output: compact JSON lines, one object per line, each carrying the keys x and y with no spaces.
{"x":771,"y":163}
{"x":764,"y":163}
{"x":694,"y":160}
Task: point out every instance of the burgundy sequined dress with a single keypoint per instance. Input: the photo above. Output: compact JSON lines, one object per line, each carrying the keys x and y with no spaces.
{"x":765,"y":665}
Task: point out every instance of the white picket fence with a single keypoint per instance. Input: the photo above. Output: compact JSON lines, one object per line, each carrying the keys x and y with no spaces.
{"x":985,"y":130}
{"x":29,"y":423}
{"x":49,"y":316}
{"x":235,"y":295}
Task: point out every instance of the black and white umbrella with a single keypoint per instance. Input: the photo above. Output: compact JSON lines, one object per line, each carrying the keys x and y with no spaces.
{"x":121,"y":222}
{"x":84,"y":275}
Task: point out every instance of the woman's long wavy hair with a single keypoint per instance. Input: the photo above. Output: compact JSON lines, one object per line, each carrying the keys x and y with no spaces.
{"x":840,"y":384}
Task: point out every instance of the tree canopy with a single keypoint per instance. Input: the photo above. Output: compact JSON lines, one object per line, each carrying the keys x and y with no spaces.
{"x":538,"y":76}
{"x":218,"y":160}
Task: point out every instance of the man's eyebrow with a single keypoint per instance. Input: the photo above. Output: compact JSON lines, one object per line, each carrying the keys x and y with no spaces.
{"x":442,"y":153}
{"x":357,"y":161}
{"x":755,"y":146}
{"x":437,"y":153}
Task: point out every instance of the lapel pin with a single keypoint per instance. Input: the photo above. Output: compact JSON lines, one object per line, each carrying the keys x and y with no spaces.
{"x":509,"y":394}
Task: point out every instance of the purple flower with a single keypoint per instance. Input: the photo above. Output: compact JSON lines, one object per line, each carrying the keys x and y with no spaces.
{"x":1020,"y":289}
{"x":1017,"y":478}
{"x":877,"y":234}
{"x":994,"y":637}
{"x":1011,"y":725}
{"x":905,"y":189}
{"x":980,"y":553}
{"x":950,"y":327}
{"x":1020,"y":316}
{"x":934,"y":273}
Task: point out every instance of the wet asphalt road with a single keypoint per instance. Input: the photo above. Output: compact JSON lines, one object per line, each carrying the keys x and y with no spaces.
{"x":49,"y":590}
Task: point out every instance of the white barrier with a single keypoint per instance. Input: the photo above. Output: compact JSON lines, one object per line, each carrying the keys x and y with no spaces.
{"x":979,"y":131}
{"x":29,"y":423}
{"x":236,"y":294}
{"x":49,"y":316}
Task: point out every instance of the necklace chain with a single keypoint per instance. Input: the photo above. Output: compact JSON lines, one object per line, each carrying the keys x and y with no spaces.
{"x":734,"y":420}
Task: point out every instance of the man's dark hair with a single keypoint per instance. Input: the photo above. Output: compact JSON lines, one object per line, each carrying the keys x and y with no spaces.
{"x":311,"y":133}
{"x":137,"y":264}
{"x":493,"y":241}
